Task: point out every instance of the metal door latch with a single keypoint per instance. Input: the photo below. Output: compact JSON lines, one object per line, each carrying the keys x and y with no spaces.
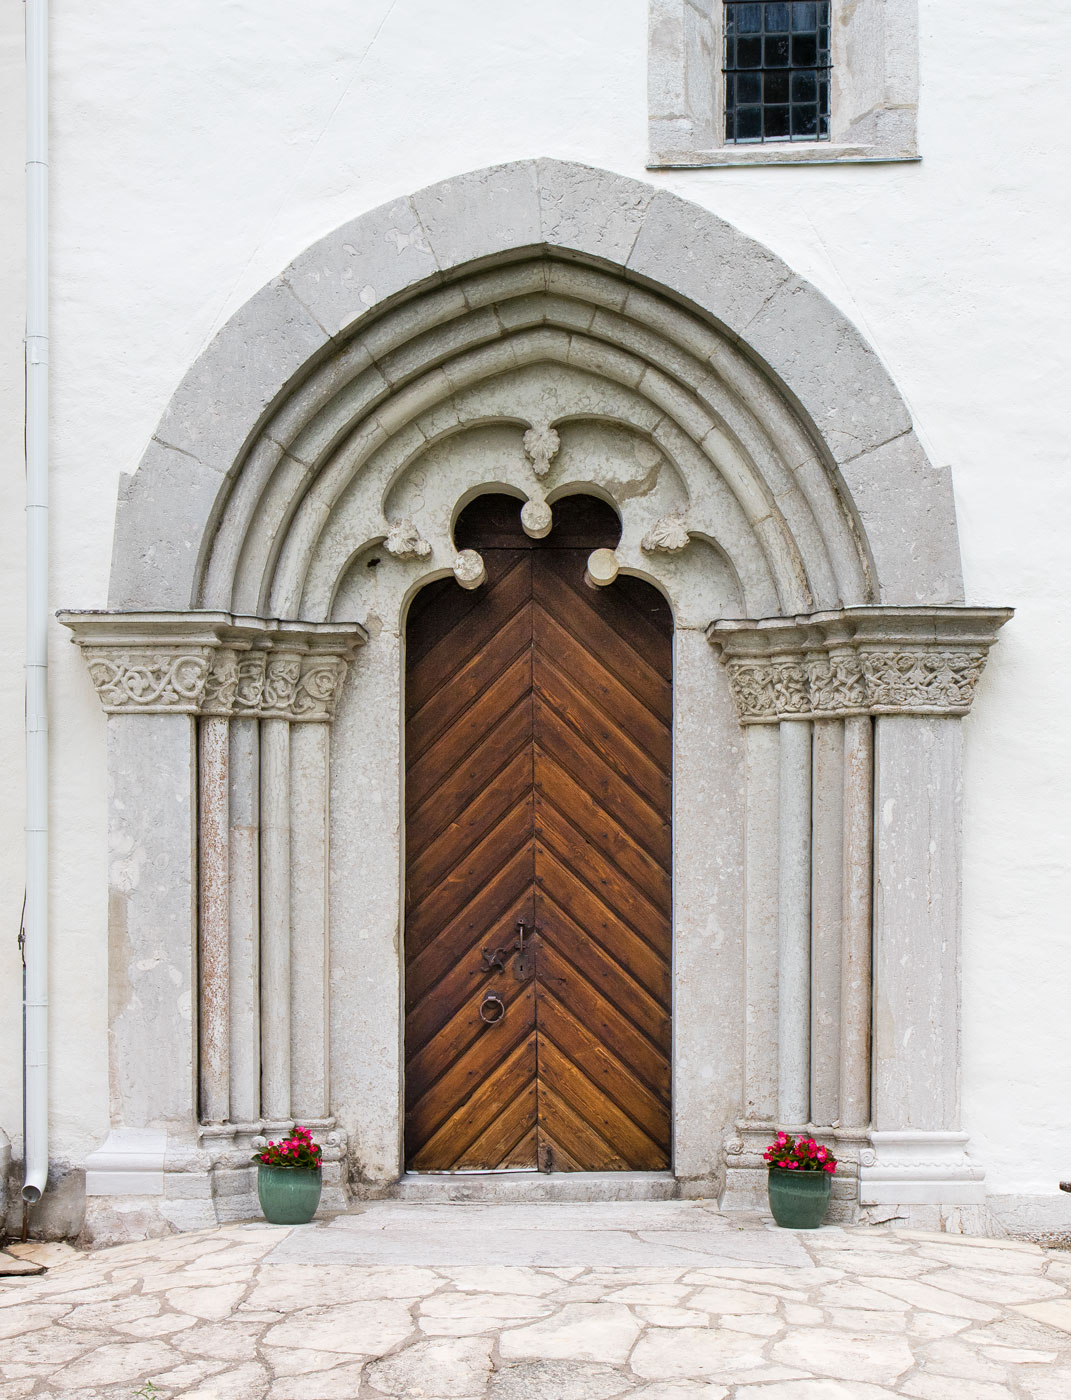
{"x":494,"y":959}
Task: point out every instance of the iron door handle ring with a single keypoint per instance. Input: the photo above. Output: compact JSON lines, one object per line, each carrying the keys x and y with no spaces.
{"x":494,"y":1003}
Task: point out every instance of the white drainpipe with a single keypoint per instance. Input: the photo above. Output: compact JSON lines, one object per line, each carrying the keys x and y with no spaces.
{"x":35,"y":977}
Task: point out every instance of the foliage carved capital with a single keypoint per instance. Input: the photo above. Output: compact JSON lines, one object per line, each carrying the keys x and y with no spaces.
{"x":857,"y":661}
{"x":215,"y":664}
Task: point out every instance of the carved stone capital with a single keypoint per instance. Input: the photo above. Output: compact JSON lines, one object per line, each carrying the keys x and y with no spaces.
{"x":215,"y":663}
{"x":221,"y":685}
{"x":857,"y":661}
{"x":153,"y":680}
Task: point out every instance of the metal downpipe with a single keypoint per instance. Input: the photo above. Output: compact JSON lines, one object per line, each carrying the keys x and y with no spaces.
{"x":35,"y":948}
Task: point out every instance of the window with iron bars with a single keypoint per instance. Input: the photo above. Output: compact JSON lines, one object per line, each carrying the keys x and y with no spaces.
{"x":777,"y":65}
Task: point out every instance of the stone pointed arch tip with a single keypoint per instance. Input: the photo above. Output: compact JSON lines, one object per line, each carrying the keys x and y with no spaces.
{"x":898,"y":504}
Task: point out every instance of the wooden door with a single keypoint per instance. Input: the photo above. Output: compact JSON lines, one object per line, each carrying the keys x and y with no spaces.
{"x":537,"y":936}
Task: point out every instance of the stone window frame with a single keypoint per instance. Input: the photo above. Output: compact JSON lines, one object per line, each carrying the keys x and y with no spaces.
{"x":874,"y":89}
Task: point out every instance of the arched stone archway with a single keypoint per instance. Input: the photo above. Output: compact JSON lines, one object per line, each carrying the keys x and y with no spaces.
{"x":538,"y":329}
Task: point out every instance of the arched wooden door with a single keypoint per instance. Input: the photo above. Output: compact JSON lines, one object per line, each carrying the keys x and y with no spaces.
{"x":538,"y":933}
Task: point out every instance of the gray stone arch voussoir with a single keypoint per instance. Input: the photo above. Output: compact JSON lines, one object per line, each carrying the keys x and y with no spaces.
{"x":902,"y":503}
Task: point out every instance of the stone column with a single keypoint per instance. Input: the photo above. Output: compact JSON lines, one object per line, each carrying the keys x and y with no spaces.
{"x":214,"y":939}
{"x":827,"y":879}
{"x":921,"y":668}
{"x":186,"y":696}
{"x":794,"y":925}
{"x":769,"y":686}
{"x":761,"y":866}
{"x":275,"y":918}
{"x":322,"y":672}
{"x":150,"y":675}
{"x":214,"y":881}
{"x":858,"y":810}
{"x":920,"y":1152}
{"x":245,"y":916}
{"x":910,"y":672}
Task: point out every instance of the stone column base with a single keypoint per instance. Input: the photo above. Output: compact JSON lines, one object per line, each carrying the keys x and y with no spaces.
{"x":142,"y":1183}
{"x":746,"y":1172}
{"x":911,"y":1168}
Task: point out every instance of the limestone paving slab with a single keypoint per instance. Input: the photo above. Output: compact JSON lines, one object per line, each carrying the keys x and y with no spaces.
{"x":645,"y":1300}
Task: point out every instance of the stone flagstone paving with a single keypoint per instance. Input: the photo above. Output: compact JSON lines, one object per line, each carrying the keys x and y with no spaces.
{"x":653,"y":1301}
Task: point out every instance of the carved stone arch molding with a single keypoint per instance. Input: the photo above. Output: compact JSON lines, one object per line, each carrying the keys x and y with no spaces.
{"x":537,"y":329}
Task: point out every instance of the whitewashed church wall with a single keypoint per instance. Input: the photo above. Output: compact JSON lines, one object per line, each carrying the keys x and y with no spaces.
{"x":197,"y":149}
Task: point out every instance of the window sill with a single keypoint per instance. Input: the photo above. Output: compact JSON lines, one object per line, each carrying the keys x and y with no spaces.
{"x":777,"y":153}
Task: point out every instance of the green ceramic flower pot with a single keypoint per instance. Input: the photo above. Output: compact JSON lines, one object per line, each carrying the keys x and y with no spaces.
{"x":799,"y":1200}
{"x":289,"y":1195}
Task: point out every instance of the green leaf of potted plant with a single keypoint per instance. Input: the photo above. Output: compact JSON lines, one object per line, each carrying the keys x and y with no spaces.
{"x":289,"y":1179}
{"x":800,"y":1181}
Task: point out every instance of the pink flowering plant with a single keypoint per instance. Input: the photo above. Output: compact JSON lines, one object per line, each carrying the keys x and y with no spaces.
{"x":298,"y":1151}
{"x":799,"y":1155}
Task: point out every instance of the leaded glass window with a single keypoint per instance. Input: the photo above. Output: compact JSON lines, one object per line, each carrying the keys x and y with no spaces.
{"x":777,"y":62}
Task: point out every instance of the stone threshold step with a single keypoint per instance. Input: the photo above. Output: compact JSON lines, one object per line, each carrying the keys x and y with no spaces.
{"x":525,"y":1186}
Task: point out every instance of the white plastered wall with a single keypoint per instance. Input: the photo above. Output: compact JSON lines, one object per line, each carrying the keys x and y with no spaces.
{"x":197,"y":149}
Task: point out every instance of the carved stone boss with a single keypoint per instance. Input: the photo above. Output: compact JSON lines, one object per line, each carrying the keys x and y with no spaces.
{"x":856,"y":661}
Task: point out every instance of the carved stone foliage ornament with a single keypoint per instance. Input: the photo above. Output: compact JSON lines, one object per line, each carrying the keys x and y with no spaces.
{"x":161,"y":680}
{"x":541,"y":443}
{"x":857,"y":661}
{"x":215,"y":664}
{"x":405,"y":541}
{"x":667,"y":536}
{"x":942,"y":679}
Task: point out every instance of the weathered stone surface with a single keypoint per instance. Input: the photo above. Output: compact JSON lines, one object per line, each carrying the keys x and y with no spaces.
{"x":706,"y":260}
{"x":731,"y":1300}
{"x":844,"y":1356}
{"x":1052,"y":1385}
{"x":565,"y":1380}
{"x":247,"y":1382}
{"x":435,"y":1368}
{"x":916,"y":557}
{"x":1054,"y":1314}
{"x":648,"y":1332}
{"x":659,"y":1315}
{"x":996,"y":1288}
{"x":667,"y":1293}
{"x":590,"y":211}
{"x":580,"y":1332}
{"x":814,"y":1390}
{"x":239,"y":374}
{"x":211,"y":1303}
{"x":340,"y":1383}
{"x":222,"y":1341}
{"x":921,"y":1295}
{"x":477,"y":215}
{"x":453,"y":1315}
{"x":506,"y":1279}
{"x":103,"y":1365}
{"x":946,"y":1388}
{"x":345,"y":276}
{"x":29,"y":1317}
{"x":364,"y":1328}
{"x":303,"y":1285}
{"x":665,"y":1354}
